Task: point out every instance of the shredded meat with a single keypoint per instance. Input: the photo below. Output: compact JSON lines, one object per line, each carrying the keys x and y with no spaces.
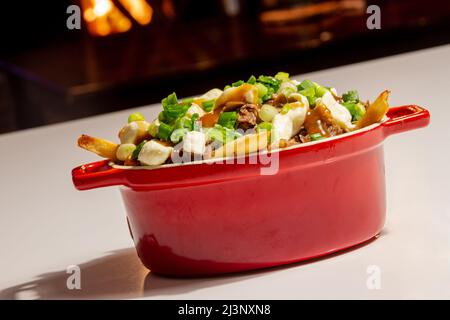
{"x":334,"y":129}
{"x":248,"y":116}
{"x":278,"y":100}
{"x":319,"y":120}
{"x":303,"y":135}
{"x":232,"y":105}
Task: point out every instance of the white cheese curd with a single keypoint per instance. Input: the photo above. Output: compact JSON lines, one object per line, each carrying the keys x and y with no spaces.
{"x":154,"y":153}
{"x":133,"y":131}
{"x":194,"y":142}
{"x":153,"y":128}
{"x":129,"y":132}
{"x":281,"y":128}
{"x":339,"y":113}
{"x":124,"y":151}
{"x":287,"y":84}
{"x":211,"y":94}
{"x":193,"y":109}
{"x":297,"y":115}
{"x":285,"y":126}
{"x":300,"y":98}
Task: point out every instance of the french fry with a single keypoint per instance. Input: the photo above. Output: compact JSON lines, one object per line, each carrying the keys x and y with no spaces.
{"x":102,"y":147}
{"x":243,"y":145}
{"x":376,"y":111}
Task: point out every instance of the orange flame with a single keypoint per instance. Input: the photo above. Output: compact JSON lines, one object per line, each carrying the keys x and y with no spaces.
{"x":139,"y":10}
{"x":103,"y":17}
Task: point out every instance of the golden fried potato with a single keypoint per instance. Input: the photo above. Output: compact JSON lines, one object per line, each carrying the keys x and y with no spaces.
{"x":246,"y":93}
{"x":243,"y":145}
{"x":102,"y":147}
{"x":376,"y":111}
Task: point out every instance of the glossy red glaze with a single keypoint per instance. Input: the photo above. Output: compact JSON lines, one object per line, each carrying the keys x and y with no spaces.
{"x":213,"y":218}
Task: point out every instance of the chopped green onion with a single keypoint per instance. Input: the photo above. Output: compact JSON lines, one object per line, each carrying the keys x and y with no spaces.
{"x":187,"y":100}
{"x":216,"y":134}
{"x":287,"y":91}
{"x":170,"y":99}
{"x":311,"y":101}
{"x":286,"y":108}
{"x":252,"y":80}
{"x":208,"y":105}
{"x":183,"y":122}
{"x":165,"y":131}
{"x":231,"y":134}
{"x":310,"y":94}
{"x":264,"y":126}
{"x":262,"y":89}
{"x":226,"y":87}
{"x":178,"y":135}
{"x":136,"y":151}
{"x":282,"y":76}
{"x":195,"y":124}
{"x":227,"y":119}
{"x":270,"y":82}
{"x":320,"y":91}
{"x":360,"y":110}
{"x":269,"y":94}
{"x":174,"y":111}
{"x":124,"y":151}
{"x":316,"y":136}
{"x":267,"y":112}
{"x":161,"y":116}
{"x":135,"y":116}
{"x":311,"y":90}
{"x":153,"y":129}
{"x":237,"y":83}
{"x":357,"y":110}
{"x":351,"y":96}
{"x":221,"y":134}
{"x":305,"y":84}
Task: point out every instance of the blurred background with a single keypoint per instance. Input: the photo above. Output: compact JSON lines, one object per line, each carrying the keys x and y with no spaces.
{"x":134,"y":52}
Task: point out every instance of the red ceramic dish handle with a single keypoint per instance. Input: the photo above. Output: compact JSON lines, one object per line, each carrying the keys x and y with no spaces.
{"x":405,"y":118}
{"x":96,"y":175}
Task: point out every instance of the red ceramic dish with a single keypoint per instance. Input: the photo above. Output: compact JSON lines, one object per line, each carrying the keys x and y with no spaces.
{"x":204,"y":218}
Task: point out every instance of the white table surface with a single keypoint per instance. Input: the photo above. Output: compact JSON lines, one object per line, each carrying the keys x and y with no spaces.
{"x":46,"y":225}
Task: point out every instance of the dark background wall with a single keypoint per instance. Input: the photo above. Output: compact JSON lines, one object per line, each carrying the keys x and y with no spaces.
{"x":50,"y":74}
